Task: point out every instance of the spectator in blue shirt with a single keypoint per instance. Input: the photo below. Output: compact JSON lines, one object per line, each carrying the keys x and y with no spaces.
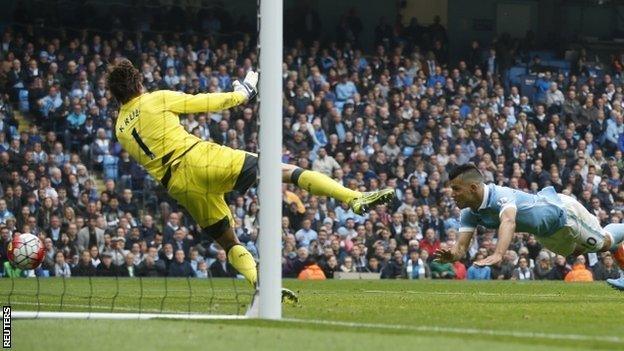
{"x":224,"y":78}
{"x":320,"y":137}
{"x":51,"y":102}
{"x":344,"y":90}
{"x":327,"y":61}
{"x":306,"y":233}
{"x":542,"y":84}
{"x":343,"y":213}
{"x":402,"y":80}
{"x":453,"y":221}
{"x":76,"y":118}
{"x":479,"y":273}
{"x":5,"y":214}
{"x":615,"y":127}
{"x":436,"y":77}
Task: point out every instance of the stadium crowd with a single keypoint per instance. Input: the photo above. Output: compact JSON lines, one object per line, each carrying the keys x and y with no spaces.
{"x":400,"y":116}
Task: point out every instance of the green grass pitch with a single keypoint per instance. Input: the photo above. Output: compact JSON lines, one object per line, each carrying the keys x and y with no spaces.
{"x":332,"y":315}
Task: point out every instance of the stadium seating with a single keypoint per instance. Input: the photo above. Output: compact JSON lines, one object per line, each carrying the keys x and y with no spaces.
{"x":384,"y":116}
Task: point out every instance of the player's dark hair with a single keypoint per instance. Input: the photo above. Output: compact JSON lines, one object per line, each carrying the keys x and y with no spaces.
{"x":124,"y":81}
{"x":468,"y":169}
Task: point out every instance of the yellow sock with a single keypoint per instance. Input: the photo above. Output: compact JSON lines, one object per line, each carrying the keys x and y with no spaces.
{"x":318,"y":183}
{"x":244,"y":263}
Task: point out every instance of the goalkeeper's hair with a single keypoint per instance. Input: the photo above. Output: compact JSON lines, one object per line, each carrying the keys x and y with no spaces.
{"x":124,"y":81}
{"x":467,"y":172}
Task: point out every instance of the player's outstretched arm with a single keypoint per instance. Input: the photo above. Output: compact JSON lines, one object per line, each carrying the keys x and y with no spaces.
{"x":188,"y":103}
{"x":506,"y":231}
{"x":457,"y":251}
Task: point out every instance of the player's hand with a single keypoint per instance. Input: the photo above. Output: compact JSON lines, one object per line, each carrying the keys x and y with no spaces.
{"x":490,"y":260}
{"x":248,"y":87}
{"x":445,"y":256}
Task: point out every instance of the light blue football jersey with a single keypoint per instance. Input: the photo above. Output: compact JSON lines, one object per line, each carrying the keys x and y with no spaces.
{"x":541,"y":214}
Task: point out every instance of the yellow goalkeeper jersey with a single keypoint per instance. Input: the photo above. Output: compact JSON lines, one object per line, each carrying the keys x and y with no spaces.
{"x":148,"y":126}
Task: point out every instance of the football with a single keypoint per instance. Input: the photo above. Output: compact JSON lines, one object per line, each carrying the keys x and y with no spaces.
{"x":26,"y":251}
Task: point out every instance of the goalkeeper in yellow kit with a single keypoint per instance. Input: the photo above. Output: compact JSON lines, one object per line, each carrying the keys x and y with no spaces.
{"x":198,"y":173}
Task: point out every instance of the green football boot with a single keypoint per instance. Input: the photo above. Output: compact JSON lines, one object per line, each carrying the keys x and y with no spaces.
{"x":371,"y":199}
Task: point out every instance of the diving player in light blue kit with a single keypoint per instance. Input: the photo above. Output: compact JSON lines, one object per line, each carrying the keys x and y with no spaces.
{"x":558,"y":221}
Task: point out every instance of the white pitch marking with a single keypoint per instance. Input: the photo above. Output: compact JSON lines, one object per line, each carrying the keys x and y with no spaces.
{"x":454,"y":330}
{"x":459,"y":293}
{"x":126,"y":316}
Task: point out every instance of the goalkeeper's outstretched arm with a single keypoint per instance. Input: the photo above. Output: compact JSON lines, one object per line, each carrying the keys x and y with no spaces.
{"x":188,"y":103}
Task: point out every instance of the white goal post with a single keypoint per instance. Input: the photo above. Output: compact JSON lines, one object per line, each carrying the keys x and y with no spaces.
{"x":270,"y":143}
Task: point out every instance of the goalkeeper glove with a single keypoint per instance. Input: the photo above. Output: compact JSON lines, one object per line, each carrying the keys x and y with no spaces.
{"x":248,"y":86}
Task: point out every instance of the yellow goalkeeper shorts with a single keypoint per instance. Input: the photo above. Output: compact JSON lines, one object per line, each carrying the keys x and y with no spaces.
{"x":201,"y":177}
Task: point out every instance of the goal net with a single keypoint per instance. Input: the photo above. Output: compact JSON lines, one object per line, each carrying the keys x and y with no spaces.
{"x":126,"y":298}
